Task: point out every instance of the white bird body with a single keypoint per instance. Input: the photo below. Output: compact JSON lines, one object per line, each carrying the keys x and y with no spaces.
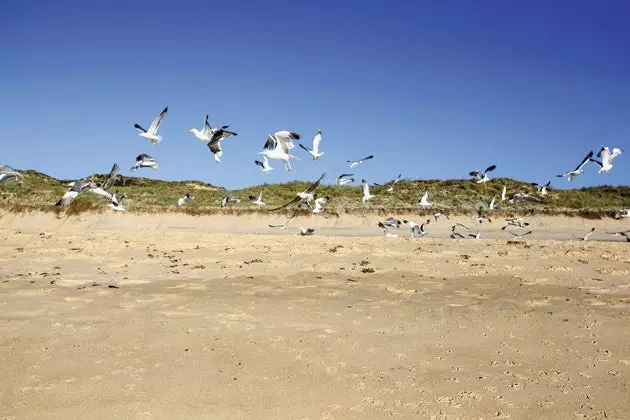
{"x":264,"y":165}
{"x":257,"y":200}
{"x":542,"y":189}
{"x":304,"y":231}
{"x":117,"y":205}
{"x":623,"y":214}
{"x":151,"y":133}
{"x":414,"y":228}
{"x":482,"y":177}
{"x":587,"y":236}
{"x":503,"y":193}
{"x":424,"y":200}
{"x":319,"y":203}
{"x":76,"y":188}
{"x":366,"y":191}
{"x":277,"y":147}
{"x":605,"y":165}
{"x":314,"y":152}
{"x":185,"y":199}
{"x":491,"y":205}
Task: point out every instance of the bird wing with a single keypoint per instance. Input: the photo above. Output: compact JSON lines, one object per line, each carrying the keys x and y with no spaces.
{"x":207,"y":128}
{"x":615,"y":152}
{"x":214,"y":145}
{"x":476,"y":174}
{"x":367,"y":158}
{"x":316,"y":183}
{"x":156,"y":122}
{"x":584,"y":161}
{"x":490,"y":169}
{"x":397,"y":179}
{"x":260,"y":195}
{"x":287,"y":135}
{"x":259,"y":163}
{"x":342,"y":176}
{"x":295,"y":200}
{"x":111,"y":178}
{"x":139,"y":127}
{"x":316,"y":140}
{"x":304,"y":147}
{"x":270,"y":144}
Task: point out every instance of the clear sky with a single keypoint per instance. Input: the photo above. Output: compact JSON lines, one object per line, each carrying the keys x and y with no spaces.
{"x":434,"y":89}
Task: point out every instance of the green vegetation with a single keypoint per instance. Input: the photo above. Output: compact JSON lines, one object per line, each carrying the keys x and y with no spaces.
{"x":39,"y":192}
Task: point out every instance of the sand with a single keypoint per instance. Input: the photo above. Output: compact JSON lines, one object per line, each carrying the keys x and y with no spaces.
{"x":174,"y":317}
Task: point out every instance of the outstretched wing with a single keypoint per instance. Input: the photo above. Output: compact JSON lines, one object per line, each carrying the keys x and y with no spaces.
{"x":157,"y":121}
{"x":111,"y":178}
{"x":584,"y":161}
{"x":304,"y":147}
{"x":490,"y":169}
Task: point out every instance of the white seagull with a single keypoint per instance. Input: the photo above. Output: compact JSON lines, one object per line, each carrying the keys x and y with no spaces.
{"x":424,"y":200}
{"x":344,"y":179}
{"x":206,"y":133}
{"x":391,"y":187}
{"x":482,"y":177}
{"x":366,"y":191}
{"x":144,"y":161}
{"x":413,"y":227}
{"x":304,"y":195}
{"x":587,"y":236}
{"x":605,"y":165}
{"x":392,"y":222}
{"x":319,"y":202}
{"x":264,"y":165}
{"x":315,"y":150}
{"x":518,"y":236}
{"x":185,"y":199}
{"x":7,"y":172}
{"x":440,"y":214}
{"x":503,"y":193}
{"x":515,"y":221}
{"x":277,"y":147}
{"x":284,"y":226}
{"x":304,"y":231}
{"x":622,"y":214}
{"x":354,"y":163}
{"x":76,"y":188}
{"x":578,"y":170}
{"x":214,"y":144}
{"x":542,"y":189}
{"x":151,"y":133}
{"x":386,"y":231}
{"x":101,"y":190}
{"x":257,"y":200}
{"x":118,"y":205}
{"x":230,"y":199}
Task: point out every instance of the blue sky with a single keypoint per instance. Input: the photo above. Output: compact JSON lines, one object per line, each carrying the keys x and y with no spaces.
{"x":434,"y":89}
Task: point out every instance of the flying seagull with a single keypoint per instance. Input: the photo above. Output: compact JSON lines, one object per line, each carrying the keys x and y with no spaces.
{"x":76,"y":188}
{"x":101,"y":190}
{"x":315,"y":150}
{"x":523,"y":198}
{"x":319,"y":203}
{"x":515,"y":221}
{"x":392,"y":222}
{"x":215,"y":142}
{"x":587,"y":236}
{"x":518,"y":236}
{"x":344,"y":179}
{"x":151,"y":133}
{"x":490,"y":205}
{"x":455,"y":226}
{"x":144,"y":161}
{"x":304,"y":231}
{"x":624,"y":234}
{"x":264,"y":165}
{"x":622,"y":214}
{"x":116,"y":204}
{"x":476,"y":235}
{"x":7,"y":172}
{"x":277,"y":147}
{"x":305,"y":195}
{"x":413,"y":227}
{"x":578,"y":170}
{"x":542,"y":189}
{"x":257,"y":200}
{"x":424,"y":200}
{"x":482,"y":177}
{"x":207,"y":132}
{"x":366,"y":191}
{"x":605,"y":165}
{"x":284,"y":226}
{"x":187,"y":198}
{"x":440,"y":214}
{"x":354,"y":163}
{"x":503,"y":193}
{"x":456,"y":235}
{"x":230,"y":199}
{"x":391,"y":187}
{"x":482,"y":218}
{"x":386,"y":231}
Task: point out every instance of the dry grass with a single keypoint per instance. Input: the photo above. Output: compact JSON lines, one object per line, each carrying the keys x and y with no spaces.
{"x":39,"y":192}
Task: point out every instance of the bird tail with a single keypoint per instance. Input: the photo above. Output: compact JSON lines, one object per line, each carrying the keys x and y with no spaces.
{"x":158,"y":139}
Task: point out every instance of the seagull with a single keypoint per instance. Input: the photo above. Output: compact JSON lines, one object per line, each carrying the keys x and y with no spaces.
{"x":366,"y":191}
{"x":456,"y":235}
{"x":277,"y":147}
{"x":7,"y":172}
{"x":578,"y":170}
{"x":413,"y":226}
{"x":144,"y":161}
{"x":319,"y":202}
{"x":491,"y":203}
{"x":354,"y":163}
{"x":264,"y":165}
{"x":206,"y":133}
{"x":607,"y":158}
{"x":118,"y":205}
{"x":476,"y":235}
{"x":516,"y":221}
{"x":482,"y":177}
{"x":215,"y":142}
{"x":76,"y":188}
{"x":522,"y":198}
{"x":503,"y":193}
{"x":625,"y":234}
{"x":588,"y":235}
{"x":622,"y":214}
{"x":284,"y":226}
{"x":257,"y":200}
{"x":518,"y":236}
{"x":386,"y":231}
{"x":230,"y":199}
{"x":185,"y":199}
{"x":344,"y":179}
{"x":392,"y":222}
{"x":420,"y":231}
{"x":455,"y":226}
{"x":315,"y":150}
{"x":391,"y":187}
{"x":101,"y":190}
{"x":305,"y":195}
{"x":306,"y":231}
{"x":423,"y":202}
{"x":542,"y":189}
{"x":482,"y":219}
{"x":151,"y":133}
{"x":440,"y":214}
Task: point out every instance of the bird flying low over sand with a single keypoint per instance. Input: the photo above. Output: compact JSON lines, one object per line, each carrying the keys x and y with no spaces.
{"x":386,"y":231}
{"x":144,"y":161}
{"x":7,"y":172}
{"x":315,"y":150}
{"x":366,"y":191}
{"x":319,"y":204}
{"x":344,"y":179}
{"x":587,"y":236}
{"x":304,"y":195}
{"x":257,"y":200}
{"x":284,"y":226}
{"x":391,"y":187}
{"x":354,"y":163}
{"x":304,"y":231}
{"x":230,"y":199}
{"x":542,"y":189}
{"x":517,"y":236}
{"x":605,"y":165}
{"x":277,"y":147}
{"x":187,"y":198}
{"x":118,"y":204}
{"x":76,"y":188}
{"x":424,"y":200}
{"x":151,"y":133}
{"x":578,"y":170}
{"x":482,"y":177}
{"x":101,"y":190}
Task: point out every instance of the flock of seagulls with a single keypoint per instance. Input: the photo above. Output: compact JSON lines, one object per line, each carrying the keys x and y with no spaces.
{"x":279,"y":147}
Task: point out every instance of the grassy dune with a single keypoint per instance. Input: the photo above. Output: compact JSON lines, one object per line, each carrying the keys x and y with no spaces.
{"x":39,"y":192}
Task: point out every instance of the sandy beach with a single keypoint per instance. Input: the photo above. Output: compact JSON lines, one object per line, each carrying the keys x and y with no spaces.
{"x":219,"y":317}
